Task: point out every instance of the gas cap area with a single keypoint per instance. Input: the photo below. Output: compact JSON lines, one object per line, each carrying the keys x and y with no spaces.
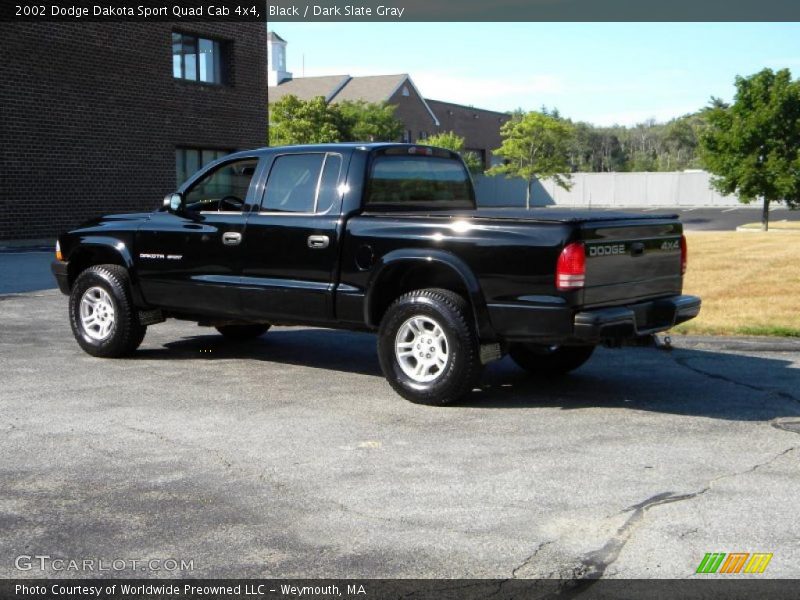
{"x":365,"y":257}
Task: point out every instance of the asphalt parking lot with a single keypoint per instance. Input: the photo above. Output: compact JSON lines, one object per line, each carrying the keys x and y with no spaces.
{"x":25,"y":270}
{"x":724,"y":219}
{"x":291,"y":457}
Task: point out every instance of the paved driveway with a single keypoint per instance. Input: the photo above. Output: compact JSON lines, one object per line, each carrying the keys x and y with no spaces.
{"x":290,"y":456}
{"x":25,"y":270}
{"x":727,"y":219}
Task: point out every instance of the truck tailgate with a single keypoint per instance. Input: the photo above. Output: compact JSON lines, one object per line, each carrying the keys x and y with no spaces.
{"x":631,"y":259}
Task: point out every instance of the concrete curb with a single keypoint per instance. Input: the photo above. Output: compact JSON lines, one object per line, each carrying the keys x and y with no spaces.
{"x":763,"y":343}
{"x":759,"y":230}
{"x":48,"y":243}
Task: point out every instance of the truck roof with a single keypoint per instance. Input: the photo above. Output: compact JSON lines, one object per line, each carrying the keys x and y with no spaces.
{"x":333,"y":147}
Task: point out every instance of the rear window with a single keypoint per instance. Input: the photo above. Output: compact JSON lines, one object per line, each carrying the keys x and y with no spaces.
{"x":419,"y":181}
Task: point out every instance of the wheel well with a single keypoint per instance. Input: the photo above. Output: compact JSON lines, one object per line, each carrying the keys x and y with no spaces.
{"x":90,"y":256}
{"x":398,"y":279}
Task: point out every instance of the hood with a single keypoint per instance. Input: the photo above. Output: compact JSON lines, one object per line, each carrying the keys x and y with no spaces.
{"x":115,"y":220}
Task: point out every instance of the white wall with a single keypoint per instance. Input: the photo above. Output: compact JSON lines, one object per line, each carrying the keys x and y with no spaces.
{"x":276,"y":63}
{"x":690,"y":189}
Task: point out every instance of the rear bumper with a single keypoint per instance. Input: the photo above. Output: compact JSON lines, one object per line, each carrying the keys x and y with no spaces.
{"x":560,"y":324}
{"x":644,"y":318}
{"x":59,"y":269}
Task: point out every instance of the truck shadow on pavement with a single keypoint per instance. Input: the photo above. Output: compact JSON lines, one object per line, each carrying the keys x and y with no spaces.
{"x":346,"y":351}
{"x":683,"y":381}
{"x":720,"y":385}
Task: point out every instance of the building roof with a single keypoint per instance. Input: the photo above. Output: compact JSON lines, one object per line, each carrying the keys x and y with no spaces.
{"x":374,"y":88}
{"x":341,"y":88}
{"x":274,"y":37}
{"x":307,"y":88}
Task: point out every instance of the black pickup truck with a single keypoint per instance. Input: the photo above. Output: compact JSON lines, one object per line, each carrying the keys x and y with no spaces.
{"x":376,"y":237}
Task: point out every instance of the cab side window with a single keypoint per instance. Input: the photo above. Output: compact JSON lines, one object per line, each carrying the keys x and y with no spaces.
{"x":293,"y":183}
{"x":224,"y":188}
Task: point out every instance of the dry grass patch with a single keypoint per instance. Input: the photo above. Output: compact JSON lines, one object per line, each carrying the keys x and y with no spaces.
{"x":749,"y":283}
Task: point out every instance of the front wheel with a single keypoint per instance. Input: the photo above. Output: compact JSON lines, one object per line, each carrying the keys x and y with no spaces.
{"x":428,"y":348}
{"x":102,"y":315}
{"x":549,"y":360}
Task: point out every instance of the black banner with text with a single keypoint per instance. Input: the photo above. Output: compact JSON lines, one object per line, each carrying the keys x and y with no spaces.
{"x":383,"y":589}
{"x":398,"y":10}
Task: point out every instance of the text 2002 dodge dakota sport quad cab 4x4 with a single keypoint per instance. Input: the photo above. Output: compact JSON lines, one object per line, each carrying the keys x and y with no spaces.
{"x":382,"y":237}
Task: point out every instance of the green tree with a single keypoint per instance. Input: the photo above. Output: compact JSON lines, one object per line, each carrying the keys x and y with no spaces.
{"x":679,"y":143}
{"x":753,"y":146}
{"x":296,"y":121}
{"x":451,"y":141}
{"x":596,"y":149}
{"x":536,"y":146}
{"x":369,"y":121}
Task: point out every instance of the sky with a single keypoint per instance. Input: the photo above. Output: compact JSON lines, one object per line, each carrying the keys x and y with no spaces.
{"x":603,"y":73}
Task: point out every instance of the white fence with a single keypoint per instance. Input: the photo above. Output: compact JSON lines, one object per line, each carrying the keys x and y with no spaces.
{"x":690,"y":188}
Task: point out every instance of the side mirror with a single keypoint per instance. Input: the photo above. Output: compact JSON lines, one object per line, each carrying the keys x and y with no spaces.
{"x":173,"y":202}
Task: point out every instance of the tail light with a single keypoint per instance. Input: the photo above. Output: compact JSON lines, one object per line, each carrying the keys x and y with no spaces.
{"x":59,"y":256}
{"x":571,"y":267}
{"x":684,"y":255}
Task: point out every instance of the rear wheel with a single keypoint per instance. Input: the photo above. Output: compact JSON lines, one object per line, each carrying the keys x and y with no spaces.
{"x":549,"y":360}
{"x":428,"y":348}
{"x":102,"y":315}
{"x":241,"y":333}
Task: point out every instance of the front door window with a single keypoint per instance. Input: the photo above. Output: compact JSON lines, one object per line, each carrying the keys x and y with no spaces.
{"x":223,"y":189}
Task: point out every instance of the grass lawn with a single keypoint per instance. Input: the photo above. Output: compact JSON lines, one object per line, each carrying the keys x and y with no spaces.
{"x":749,"y":283}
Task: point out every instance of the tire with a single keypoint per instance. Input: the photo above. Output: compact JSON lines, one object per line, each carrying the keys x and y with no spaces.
{"x":242,"y":333}
{"x":450,"y":366}
{"x":549,"y":360}
{"x":104,"y":320}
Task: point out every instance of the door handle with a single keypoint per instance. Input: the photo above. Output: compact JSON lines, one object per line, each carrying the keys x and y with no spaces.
{"x":318,"y":242}
{"x":231,"y":238}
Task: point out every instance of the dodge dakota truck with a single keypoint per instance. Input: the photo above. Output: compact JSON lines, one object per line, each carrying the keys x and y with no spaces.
{"x":377,"y":237}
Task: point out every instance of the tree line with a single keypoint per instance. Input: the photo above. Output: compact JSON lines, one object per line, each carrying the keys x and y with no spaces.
{"x":646,"y":146}
{"x":751,"y":146}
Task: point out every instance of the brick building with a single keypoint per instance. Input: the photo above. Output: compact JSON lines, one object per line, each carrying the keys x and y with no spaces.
{"x":479,"y":127}
{"x":420,"y":116}
{"x":108,"y":117}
